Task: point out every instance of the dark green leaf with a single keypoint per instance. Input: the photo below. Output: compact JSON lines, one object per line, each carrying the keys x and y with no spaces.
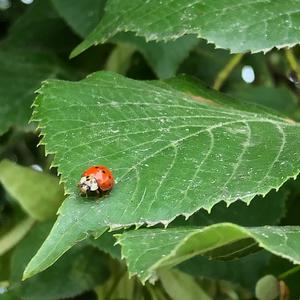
{"x":22,"y":72}
{"x":106,"y":242}
{"x":281,"y":98}
{"x":239,"y":26}
{"x":27,"y":58}
{"x":81,"y":15}
{"x":163,"y":57}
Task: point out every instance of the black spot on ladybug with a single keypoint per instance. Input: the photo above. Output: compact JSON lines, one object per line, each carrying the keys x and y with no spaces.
{"x":97,"y":167}
{"x":103,"y":171}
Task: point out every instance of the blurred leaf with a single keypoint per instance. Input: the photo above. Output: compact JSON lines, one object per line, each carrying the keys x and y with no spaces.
{"x":81,"y":269}
{"x":106,"y":242}
{"x":21,"y":74}
{"x":119,"y":59}
{"x":174,"y":136}
{"x":277,"y":98}
{"x":8,"y":296}
{"x":11,"y":238}
{"x":240,"y":213}
{"x":181,"y":286}
{"x":163,"y":21}
{"x":148,"y":250}
{"x":267,"y":288}
{"x":120,"y":287}
{"x":28,"y":32}
{"x":38,"y":193}
{"x":287,"y":271}
{"x":27,"y":58}
{"x":205,"y":62}
{"x":5,"y":266}
{"x":81,"y":15}
{"x":243,"y":271}
{"x":163,"y":57}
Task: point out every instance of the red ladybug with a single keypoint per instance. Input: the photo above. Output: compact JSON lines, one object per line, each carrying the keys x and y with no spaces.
{"x":96,"y":179}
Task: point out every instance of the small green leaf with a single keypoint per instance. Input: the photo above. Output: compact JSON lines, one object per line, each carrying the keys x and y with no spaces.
{"x":38,"y":193}
{"x":267,"y":288}
{"x":148,"y":250}
{"x":171,"y":153}
{"x":238,"y":26}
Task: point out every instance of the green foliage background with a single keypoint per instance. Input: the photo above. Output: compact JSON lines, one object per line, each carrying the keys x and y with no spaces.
{"x":206,"y":199}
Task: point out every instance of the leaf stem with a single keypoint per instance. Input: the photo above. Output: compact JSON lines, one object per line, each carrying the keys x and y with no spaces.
{"x":226,"y":71}
{"x":291,"y":58}
{"x":289,"y":272}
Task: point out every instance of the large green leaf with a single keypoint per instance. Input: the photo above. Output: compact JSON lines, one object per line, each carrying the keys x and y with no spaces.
{"x":240,"y":26}
{"x":171,"y":155}
{"x":147,"y":250}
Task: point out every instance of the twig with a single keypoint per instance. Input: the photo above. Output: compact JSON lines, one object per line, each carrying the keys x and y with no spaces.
{"x":225,"y":72}
{"x":289,"y":272}
{"x":290,"y":56}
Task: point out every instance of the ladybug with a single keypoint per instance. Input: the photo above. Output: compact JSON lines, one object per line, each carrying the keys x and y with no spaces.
{"x":96,"y":180}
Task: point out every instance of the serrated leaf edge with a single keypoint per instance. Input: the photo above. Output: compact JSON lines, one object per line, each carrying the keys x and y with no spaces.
{"x":155,"y":267}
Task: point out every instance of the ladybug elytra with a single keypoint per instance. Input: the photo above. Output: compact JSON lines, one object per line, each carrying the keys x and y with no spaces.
{"x":96,"y":179}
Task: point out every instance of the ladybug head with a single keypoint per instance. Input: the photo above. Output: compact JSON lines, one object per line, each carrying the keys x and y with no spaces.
{"x":88,"y":184}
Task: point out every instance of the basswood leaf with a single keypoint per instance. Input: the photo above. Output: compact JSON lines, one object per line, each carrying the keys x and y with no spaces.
{"x":148,"y":250}
{"x":239,"y":26}
{"x":171,"y":153}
